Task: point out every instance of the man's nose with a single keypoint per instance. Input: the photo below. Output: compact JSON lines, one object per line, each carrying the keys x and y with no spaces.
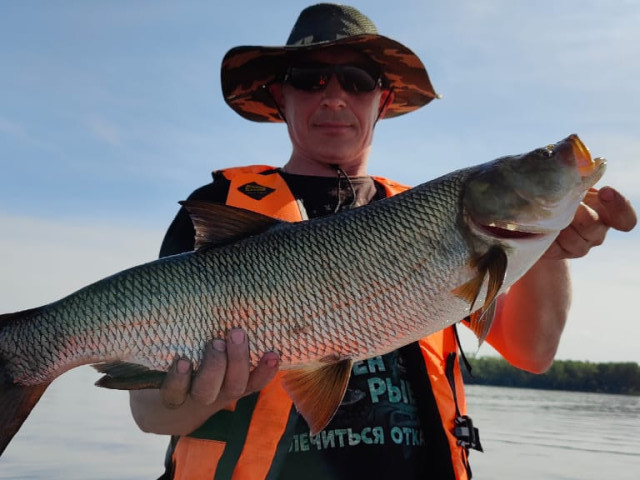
{"x":333,"y":96}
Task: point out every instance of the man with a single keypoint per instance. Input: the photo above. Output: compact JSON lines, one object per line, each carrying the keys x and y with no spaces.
{"x":404,"y":413}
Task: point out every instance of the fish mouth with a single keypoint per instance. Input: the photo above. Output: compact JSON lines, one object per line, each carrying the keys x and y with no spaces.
{"x":584,"y":162}
{"x":508,"y":231}
{"x":571,"y":149}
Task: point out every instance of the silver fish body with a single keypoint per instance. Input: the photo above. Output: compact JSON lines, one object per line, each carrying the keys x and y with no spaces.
{"x":349,"y":286}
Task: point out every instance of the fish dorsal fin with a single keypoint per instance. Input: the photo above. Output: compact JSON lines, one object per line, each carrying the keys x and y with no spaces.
{"x":128,"y":376}
{"x":494,"y":265}
{"x":318,"y":391}
{"x":218,"y":224}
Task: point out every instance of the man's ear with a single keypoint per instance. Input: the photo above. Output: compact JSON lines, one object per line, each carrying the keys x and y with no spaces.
{"x":386,"y":99}
{"x":275,"y":89}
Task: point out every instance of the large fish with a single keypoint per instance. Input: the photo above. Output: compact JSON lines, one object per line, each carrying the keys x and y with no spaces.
{"x":324,"y":293}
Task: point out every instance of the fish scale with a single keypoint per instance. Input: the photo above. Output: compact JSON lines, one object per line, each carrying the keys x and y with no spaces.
{"x":323,"y":293}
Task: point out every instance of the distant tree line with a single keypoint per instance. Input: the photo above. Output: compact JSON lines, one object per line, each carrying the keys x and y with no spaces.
{"x":620,"y":378}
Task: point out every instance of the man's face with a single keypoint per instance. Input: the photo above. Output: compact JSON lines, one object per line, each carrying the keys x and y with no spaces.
{"x":331,"y":126}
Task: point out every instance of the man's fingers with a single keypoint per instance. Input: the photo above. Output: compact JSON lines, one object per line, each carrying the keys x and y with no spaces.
{"x":600,"y":210}
{"x":589,"y":224}
{"x":235,"y":380}
{"x":569,"y":244}
{"x":176,"y":385}
{"x":264,"y":372}
{"x":223,"y":375}
{"x":207,"y":383}
{"x":613,"y":208}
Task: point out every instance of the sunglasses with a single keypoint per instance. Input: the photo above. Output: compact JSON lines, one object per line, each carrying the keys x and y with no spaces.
{"x":315,"y":78}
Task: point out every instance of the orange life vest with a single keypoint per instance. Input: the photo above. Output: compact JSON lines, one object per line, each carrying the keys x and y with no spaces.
{"x":242,"y":442}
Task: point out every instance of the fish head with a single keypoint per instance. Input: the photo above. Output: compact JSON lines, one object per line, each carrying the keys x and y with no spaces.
{"x":533,"y":194}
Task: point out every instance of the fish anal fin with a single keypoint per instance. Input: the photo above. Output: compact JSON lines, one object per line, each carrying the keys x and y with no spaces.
{"x":16,"y":403}
{"x":128,"y":376}
{"x":318,"y":391}
{"x":218,"y":224}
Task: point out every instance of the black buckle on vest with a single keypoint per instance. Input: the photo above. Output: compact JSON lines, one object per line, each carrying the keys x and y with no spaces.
{"x":468,"y":436}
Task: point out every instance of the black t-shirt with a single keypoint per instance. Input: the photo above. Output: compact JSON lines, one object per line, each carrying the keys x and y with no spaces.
{"x":375,"y":433}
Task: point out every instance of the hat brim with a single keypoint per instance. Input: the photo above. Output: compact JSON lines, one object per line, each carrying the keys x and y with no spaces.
{"x":248,"y":70}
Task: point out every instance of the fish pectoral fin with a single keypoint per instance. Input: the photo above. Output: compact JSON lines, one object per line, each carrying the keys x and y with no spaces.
{"x":318,"y":391}
{"x":470,"y":290}
{"x":497,"y":269}
{"x":128,"y":376}
{"x":494,"y":265}
{"x":218,"y":224}
{"x":480,"y":322}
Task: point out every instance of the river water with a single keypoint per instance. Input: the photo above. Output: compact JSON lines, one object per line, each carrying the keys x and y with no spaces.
{"x":554,"y":435}
{"x":81,"y":432}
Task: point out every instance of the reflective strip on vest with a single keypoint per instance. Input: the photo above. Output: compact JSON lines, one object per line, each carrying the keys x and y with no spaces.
{"x":435,"y":349}
{"x":270,"y":415}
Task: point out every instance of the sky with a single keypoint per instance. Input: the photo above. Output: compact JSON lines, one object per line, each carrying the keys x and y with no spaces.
{"x":111,"y":112}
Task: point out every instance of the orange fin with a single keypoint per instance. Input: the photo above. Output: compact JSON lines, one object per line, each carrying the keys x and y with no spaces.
{"x":16,"y":403}
{"x":480,"y":322}
{"x":494,"y":265}
{"x":318,"y":391}
{"x":128,"y":376}
{"x":470,"y":290}
{"x":217,"y":224}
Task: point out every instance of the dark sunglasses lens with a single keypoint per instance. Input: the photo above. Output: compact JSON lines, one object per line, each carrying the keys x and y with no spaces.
{"x":352,"y":79}
{"x":356,"y":79}
{"x":308,"y":79}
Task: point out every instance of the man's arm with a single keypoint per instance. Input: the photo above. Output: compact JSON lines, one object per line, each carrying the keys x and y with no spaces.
{"x":531,"y":316}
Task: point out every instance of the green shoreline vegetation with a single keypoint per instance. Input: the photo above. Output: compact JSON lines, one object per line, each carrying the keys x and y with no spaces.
{"x":617,"y":378}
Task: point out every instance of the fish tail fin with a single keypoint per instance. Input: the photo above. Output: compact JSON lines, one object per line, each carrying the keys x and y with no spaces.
{"x":16,"y":401}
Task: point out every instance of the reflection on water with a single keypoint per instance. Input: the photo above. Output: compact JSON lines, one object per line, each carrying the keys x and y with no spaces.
{"x":537,"y":434}
{"x":78,"y":432}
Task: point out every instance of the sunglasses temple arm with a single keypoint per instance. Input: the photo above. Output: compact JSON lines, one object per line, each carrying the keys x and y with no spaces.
{"x":385,"y":104}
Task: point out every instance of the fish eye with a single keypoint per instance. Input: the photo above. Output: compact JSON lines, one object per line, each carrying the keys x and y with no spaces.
{"x":548,"y":150}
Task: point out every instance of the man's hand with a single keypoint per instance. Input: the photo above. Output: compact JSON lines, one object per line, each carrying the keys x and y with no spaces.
{"x":600,"y":210}
{"x":185,"y":400}
{"x":533,"y":314}
{"x":223,"y":376}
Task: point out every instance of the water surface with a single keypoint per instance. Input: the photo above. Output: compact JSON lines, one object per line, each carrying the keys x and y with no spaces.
{"x":81,"y":432}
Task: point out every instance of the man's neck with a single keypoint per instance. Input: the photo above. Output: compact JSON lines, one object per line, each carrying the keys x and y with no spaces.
{"x":324,"y":169}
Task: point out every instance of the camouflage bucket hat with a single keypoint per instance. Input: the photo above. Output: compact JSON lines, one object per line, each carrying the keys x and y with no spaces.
{"x":248,"y":70}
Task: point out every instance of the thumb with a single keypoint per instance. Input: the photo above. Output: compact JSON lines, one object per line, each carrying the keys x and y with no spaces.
{"x":613,"y":208}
